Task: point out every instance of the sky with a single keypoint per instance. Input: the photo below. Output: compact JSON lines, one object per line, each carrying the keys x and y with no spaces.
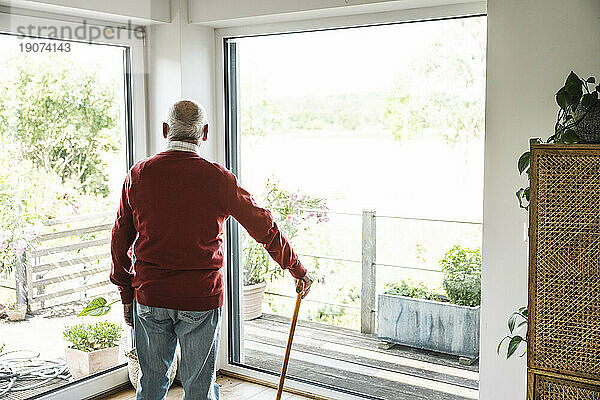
{"x":339,"y":61}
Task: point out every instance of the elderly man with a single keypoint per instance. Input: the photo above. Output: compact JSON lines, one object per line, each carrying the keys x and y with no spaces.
{"x":171,"y":217}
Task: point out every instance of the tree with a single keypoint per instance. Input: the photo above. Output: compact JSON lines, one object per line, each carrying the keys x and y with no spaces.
{"x":62,"y":117}
{"x":259,"y":114}
{"x":445,"y":92}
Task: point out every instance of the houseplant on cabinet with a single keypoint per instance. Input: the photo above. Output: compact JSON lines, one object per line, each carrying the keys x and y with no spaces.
{"x":578,"y":121}
{"x":294,"y":213}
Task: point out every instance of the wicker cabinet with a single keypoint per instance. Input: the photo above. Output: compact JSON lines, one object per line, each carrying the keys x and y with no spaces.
{"x":563,"y":356}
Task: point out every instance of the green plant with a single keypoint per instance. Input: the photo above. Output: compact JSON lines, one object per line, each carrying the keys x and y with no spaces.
{"x":337,"y":314}
{"x":515,"y":336}
{"x":289,"y":210}
{"x":407,"y":288}
{"x":90,"y":337}
{"x":575,"y":100}
{"x":66,"y":111}
{"x":97,"y":307}
{"x":461,"y":267}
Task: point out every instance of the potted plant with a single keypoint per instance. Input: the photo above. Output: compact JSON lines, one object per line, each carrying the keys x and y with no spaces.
{"x":93,"y":347}
{"x":15,"y":312}
{"x":294,"y":213}
{"x":98,"y":307}
{"x":412,"y":315}
{"x":578,"y":121}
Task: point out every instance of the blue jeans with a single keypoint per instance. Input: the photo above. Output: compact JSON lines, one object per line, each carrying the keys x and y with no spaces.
{"x":156,"y":332}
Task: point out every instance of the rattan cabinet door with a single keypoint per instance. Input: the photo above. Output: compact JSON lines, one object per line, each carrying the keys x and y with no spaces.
{"x":561,"y":389}
{"x":564,"y":265}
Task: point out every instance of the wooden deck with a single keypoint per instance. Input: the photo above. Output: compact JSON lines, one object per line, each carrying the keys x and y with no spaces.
{"x":348,"y":360}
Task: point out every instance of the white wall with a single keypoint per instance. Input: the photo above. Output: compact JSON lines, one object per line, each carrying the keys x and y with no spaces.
{"x":241,"y":12}
{"x":138,"y":11}
{"x":180,"y":62}
{"x":532,"y":46}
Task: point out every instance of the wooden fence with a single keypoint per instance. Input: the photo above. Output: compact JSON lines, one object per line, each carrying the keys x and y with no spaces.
{"x":70,"y":262}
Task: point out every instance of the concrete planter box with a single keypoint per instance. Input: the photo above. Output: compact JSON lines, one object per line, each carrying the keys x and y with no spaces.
{"x":429,"y":325}
{"x":84,"y":363}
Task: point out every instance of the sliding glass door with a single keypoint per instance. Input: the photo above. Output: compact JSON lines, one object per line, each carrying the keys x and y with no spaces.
{"x":367,"y":145}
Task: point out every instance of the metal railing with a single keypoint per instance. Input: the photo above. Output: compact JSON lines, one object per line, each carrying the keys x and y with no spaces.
{"x":369,"y":262}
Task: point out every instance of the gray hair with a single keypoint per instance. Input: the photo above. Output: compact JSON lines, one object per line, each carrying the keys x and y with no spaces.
{"x":186,"y":121}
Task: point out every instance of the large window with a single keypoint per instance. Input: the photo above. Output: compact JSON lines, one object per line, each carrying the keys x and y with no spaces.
{"x":66,"y":143}
{"x":367,"y":145}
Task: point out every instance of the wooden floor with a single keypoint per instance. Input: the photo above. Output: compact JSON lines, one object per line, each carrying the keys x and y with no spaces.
{"x":231,"y":389}
{"x":358,"y":363}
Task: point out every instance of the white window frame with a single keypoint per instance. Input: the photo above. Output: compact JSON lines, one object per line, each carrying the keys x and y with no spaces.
{"x":358,"y":20}
{"x":101,"y":383}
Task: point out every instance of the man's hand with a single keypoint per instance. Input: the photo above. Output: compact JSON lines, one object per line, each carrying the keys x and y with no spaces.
{"x":303,"y":285}
{"x":128,"y":314}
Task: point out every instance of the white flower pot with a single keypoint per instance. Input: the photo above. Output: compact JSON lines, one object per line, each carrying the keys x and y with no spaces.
{"x":17,"y":313}
{"x":253,"y":296}
{"x":133,"y":367}
{"x":84,"y":363}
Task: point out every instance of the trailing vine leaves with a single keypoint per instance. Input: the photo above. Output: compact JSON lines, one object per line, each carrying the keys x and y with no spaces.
{"x":517,"y":323}
{"x":575,"y":100}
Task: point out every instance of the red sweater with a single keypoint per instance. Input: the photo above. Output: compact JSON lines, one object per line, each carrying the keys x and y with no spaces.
{"x":172,"y":210}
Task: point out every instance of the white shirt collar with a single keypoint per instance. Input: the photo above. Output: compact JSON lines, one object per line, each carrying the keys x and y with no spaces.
{"x":183,"y":146}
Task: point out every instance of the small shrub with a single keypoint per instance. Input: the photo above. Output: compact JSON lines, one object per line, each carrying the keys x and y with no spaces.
{"x":462,"y":275}
{"x":90,"y":337}
{"x":416,"y":290}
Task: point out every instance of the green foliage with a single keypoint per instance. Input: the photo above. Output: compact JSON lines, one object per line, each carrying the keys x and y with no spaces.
{"x":57,"y":122}
{"x":575,"y":100}
{"x":517,"y":323}
{"x":444,"y":94}
{"x":462,"y":275}
{"x":90,"y":337}
{"x":286,"y":207}
{"x":97,"y":307}
{"x":338,"y":315}
{"x":408,"y":288}
{"x":62,"y":117}
{"x":262,"y":115}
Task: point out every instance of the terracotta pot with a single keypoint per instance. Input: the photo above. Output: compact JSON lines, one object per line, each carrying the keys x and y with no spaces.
{"x":84,"y":363}
{"x":17,"y":313}
{"x":253,"y":296}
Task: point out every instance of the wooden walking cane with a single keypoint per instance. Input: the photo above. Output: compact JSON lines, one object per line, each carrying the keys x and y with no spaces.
{"x":288,"y":349}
